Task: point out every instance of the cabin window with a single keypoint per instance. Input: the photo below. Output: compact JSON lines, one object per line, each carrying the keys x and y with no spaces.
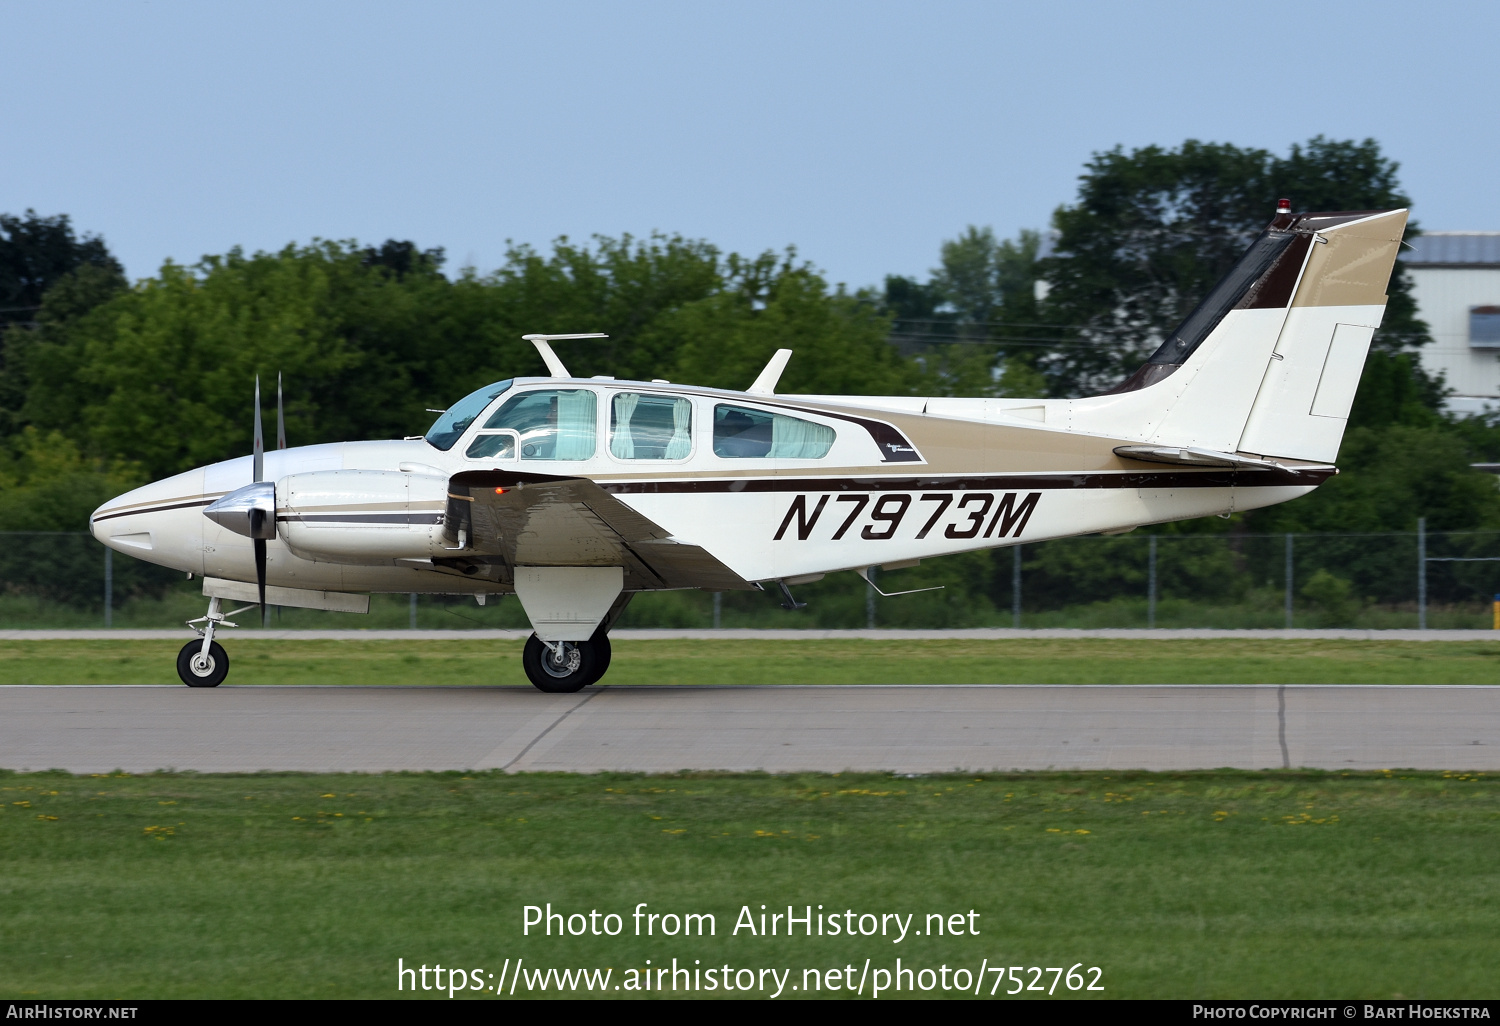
{"x":457,"y":418}
{"x":740,"y":432}
{"x":492,"y":446}
{"x":554,"y":424}
{"x":650,"y":427}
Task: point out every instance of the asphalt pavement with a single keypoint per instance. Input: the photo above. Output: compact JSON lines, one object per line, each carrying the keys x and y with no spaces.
{"x":769,"y":634}
{"x":901,"y":729}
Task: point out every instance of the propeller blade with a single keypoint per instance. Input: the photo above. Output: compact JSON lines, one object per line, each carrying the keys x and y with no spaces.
{"x":260,"y":444}
{"x":280,"y":416}
{"x":260,"y":576}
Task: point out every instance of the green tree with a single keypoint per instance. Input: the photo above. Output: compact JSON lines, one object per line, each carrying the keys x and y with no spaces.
{"x":47,"y":484}
{"x":769,"y":303}
{"x":39,"y":255}
{"x":368,"y":338}
{"x":973,"y":325}
{"x":621,"y":287}
{"x":163,"y":373}
{"x":36,"y":253}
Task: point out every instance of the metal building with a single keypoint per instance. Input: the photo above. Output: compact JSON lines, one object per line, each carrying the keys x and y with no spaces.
{"x":1456,"y":278}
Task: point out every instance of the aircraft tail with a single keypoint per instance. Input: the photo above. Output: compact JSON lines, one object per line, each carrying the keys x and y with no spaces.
{"x":1268,"y":363}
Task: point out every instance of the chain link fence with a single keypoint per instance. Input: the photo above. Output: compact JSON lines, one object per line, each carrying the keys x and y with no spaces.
{"x":1142,"y":579}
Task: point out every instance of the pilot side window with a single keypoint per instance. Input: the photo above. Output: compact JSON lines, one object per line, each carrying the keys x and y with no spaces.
{"x":740,"y":432}
{"x":650,"y":427}
{"x":554,"y":424}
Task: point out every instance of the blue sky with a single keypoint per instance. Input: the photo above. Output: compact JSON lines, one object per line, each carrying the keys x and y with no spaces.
{"x":862,"y":133}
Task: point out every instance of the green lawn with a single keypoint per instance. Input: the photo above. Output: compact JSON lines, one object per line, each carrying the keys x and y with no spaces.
{"x":1028,"y":661}
{"x":1199,"y":885}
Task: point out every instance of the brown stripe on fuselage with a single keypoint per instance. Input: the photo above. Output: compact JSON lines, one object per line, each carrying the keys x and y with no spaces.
{"x":1217,"y":478}
{"x":362,"y":519}
{"x":135,"y":510}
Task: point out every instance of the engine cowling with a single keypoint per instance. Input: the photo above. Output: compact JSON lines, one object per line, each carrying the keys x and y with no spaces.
{"x":362,"y":516}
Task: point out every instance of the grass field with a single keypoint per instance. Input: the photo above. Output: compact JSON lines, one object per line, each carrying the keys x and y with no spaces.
{"x":839,"y":601}
{"x":960,"y":661}
{"x":1176,"y":885}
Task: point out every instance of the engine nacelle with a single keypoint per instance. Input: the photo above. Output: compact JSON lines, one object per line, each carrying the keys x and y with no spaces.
{"x":362,"y":516}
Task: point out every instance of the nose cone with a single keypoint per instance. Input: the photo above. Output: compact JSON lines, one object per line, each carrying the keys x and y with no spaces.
{"x":159,"y":522}
{"x":94,"y":527}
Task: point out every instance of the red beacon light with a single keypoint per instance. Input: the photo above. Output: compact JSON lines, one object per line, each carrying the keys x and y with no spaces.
{"x":1283,"y":206}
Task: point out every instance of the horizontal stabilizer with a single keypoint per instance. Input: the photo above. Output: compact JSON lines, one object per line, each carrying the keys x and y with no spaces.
{"x":1189,"y":456}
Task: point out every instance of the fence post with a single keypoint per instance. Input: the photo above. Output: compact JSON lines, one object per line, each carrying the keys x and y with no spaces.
{"x":1015,"y":590}
{"x":412,"y":612}
{"x":1151,"y":584}
{"x":109,"y":586}
{"x":1289,"y":577}
{"x":1421,"y":573}
{"x":718,"y":608}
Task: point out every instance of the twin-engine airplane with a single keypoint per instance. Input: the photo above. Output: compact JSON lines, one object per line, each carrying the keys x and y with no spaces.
{"x":577,"y":494}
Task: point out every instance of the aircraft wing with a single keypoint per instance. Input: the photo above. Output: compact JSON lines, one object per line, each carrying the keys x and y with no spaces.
{"x":540,"y":520}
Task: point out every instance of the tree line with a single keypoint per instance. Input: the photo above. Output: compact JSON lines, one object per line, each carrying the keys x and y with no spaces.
{"x":106,"y":383}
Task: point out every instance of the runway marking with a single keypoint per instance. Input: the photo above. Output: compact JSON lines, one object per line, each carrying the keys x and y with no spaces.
{"x":566,"y":713}
{"x":1286,"y":760}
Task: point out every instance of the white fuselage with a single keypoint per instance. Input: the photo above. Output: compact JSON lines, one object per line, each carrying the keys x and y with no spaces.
{"x":956,"y":483}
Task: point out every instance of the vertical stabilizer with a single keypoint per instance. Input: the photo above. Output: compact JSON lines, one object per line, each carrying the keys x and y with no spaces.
{"x":1303,"y":403}
{"x":1268,"y":363}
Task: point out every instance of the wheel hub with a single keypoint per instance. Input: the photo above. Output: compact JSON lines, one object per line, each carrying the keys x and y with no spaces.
{"x":562,"y":661}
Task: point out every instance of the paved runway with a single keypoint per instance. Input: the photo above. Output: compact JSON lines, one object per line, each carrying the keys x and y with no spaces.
{"x":773,"y":634}
{"x":904,"y":729}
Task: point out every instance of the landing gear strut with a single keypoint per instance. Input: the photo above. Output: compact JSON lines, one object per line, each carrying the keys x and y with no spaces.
{"x":205,"y":664}
{"x":562,"y":667}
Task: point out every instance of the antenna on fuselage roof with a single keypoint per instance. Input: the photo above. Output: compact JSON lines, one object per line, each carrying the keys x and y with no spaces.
{"x":765,"y":382}
{"x":543,"y":345}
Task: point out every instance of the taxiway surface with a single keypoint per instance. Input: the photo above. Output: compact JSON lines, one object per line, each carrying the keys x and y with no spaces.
{"x":903,"y":729}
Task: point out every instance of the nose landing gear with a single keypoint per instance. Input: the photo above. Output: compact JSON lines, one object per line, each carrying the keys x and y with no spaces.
{"x":205,"y":664}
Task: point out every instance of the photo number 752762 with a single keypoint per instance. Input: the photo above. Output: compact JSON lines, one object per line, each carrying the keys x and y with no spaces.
{"x":954,"y":514}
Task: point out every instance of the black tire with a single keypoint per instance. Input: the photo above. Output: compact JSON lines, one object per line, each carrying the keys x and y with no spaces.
{"x":195,"y":675}
{"x":574,"y":673}
{"x":602,"y":654}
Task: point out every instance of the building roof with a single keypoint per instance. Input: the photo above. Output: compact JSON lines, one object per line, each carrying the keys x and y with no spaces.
{"x":1453,"y":249}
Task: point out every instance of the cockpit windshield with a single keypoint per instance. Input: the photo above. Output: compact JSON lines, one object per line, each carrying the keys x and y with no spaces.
{"x":461,"y":414}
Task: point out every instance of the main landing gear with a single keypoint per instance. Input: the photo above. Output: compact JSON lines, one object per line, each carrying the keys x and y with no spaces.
{"x":205,"y":664}
{"x":562,"y":667}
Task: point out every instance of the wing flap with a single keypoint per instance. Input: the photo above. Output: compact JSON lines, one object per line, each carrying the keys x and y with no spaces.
{"x":540,"y":520}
